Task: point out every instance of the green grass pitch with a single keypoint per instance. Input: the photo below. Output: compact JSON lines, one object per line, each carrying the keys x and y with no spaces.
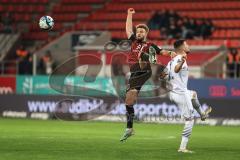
{"x":22,"y":139}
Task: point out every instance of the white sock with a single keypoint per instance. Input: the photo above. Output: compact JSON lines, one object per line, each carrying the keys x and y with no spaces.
{"x":184,"y":142}
{"x":187,"y":130}
{"x":197,"y":106}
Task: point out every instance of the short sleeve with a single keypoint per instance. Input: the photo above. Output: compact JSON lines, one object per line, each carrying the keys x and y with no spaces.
{"x":157,"y":49}
{"x":132,"y":38}
{"x":176,"y":60}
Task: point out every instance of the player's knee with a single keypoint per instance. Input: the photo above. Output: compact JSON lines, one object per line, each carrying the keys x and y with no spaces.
{"x":128,"y":101}
{"x":130,"y":97}
{"x":194,"y":93}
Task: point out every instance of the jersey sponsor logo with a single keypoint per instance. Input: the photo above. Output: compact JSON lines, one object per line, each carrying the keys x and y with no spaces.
{"x":135,"y":50}
{"x":138,"y":47}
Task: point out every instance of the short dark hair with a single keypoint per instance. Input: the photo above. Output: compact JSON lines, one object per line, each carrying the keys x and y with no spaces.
{"x":178,"y":43}
{"x":144,"y":26}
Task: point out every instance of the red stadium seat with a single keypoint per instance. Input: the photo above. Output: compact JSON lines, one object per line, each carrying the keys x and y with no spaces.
{"x":119,"y":35}
{"x":72,"y":8}
{"x":24,"y":1}
{"x":35,"y":27}
{"x":174,"y":6}
{"x":36,"y":36}
{"x":22,"y":17}
{"x":82,"y":1}
{"x":10,"y":8}
{"x":154,"y":34}
{"x":227,"y":23}
{"x":40,"y":9}
{"x":4,"y":1}
{"x":211,"y":14}
{"x":64,"y":17}
{"x":91,"y":26}
{"x":1,"y":8}
{"x":120,"y":16}
{"x":112,"y":16}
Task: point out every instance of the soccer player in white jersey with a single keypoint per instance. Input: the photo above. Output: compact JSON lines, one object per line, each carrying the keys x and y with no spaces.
{"x":186,"y":99}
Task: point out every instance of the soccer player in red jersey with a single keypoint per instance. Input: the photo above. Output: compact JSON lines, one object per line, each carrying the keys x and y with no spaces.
{"x":142,"y":54}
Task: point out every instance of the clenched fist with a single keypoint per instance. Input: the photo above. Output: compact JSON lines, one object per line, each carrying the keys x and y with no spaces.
{"x":184,"y":57}
{"x":131,"y":11}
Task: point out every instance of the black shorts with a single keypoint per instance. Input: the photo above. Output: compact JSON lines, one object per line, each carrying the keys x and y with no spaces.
{"x":138,"y":78}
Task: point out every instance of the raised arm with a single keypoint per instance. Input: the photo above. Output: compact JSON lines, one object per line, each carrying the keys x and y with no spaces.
{"x":129,"y":26}
{"x":168,"y":53}
{"x":163,"y":51}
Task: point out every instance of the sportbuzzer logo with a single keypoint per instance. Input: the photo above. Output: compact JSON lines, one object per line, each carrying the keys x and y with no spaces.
{"x":162,"y":109}
{"x":87,"y":105}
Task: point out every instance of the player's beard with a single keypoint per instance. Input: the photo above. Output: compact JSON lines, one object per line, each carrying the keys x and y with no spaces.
{"x":140,"y":39}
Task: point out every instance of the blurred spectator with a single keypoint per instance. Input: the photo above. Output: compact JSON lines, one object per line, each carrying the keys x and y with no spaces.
{"x":174,"y":30}
{"x":28,"y":64}
{"x":173,"y":15}
{"x":46,"y":64}
{"x":159,"y":20}
{"x":209,"y":28}
{"x":233,"y":63}
{"x":164,"y":21}
{"x":155,"y":20}
{"x":191,"y":28}
{"x":200,"y":29}
{"x":24,"y":59}
{"x":21,"y":52}
{"x":184,"y":29}
{"x":172,"y":25}
{"x":7,"y":22}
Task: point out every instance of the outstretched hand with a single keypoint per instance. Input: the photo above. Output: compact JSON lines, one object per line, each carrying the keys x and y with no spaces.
{"x":173,"y":54}
{"x":163,"y":75}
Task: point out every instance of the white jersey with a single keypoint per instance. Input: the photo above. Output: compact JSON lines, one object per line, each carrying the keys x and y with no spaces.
{"x":178,"y":80}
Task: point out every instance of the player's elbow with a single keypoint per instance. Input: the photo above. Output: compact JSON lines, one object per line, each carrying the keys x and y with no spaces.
{"x":194,"y":94}
{"x":176,"y":70}
{"x":129,"y":33}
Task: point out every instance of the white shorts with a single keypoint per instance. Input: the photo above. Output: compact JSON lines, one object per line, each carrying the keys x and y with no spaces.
{"x":184,"y":102}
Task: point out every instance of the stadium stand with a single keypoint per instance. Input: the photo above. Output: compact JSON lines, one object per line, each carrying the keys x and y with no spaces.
{"x":62,"y":12}
{"x":112,"y":16}
{"x":101,"y":15}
